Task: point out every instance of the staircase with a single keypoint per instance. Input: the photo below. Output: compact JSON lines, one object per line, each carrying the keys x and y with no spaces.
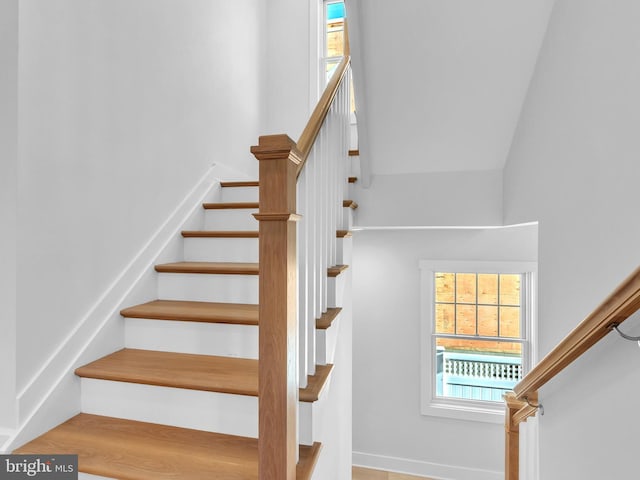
{"x":181,"y":399}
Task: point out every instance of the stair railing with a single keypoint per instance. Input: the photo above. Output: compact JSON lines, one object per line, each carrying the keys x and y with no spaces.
{"x":301,"y":195}
{"x":523,"y":402}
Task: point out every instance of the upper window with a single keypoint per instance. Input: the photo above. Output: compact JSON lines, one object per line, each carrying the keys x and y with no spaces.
{"x":334,"y":16}
{"x":333,"y":43}
{"x":477,"y":328}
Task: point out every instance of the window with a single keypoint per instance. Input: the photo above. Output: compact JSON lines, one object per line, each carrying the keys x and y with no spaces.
{"x":333,"y":42}
{"x":333,"y":50}
{"x":476,"y":336}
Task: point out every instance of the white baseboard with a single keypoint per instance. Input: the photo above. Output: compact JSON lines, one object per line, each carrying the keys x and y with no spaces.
{"x":134,"y":285}
{"x":435,"y":471}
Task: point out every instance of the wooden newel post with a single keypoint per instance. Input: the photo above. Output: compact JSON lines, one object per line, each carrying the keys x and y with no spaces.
{"x":278,"y":327}
{"x":511,"y":439}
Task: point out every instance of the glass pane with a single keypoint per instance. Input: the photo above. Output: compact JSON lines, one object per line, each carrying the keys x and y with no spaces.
{"x":465,"y":319}
{"x":510,"y":289}
{"x":445,"y":287}
{"x":488,"y":320}
{"x":445,"y":318}
{"x":335,"y":42}
{"x":488,"y":288}
{"x":476,"y":369}
{"x":510,"y":322}
{"x":466,"y":287}
{"x":330,"y":68}
{"x":335,"y":11}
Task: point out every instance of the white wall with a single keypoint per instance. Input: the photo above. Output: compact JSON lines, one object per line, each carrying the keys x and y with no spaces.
{"x":123,"y":106}
{"x":386,"y":370}
{"x":575,"y":167}
{"x":292,"y":64}
{"x":8,"y":187}
{"x":441,"y":199}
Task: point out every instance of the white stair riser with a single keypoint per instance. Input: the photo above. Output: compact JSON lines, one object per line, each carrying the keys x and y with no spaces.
{"x":208,"y":287}
{"x":192,"y":337}
{"x":347,"y":218}
{"x":230,"y":219}
{"x":335,"y":291}
{"x":221,"y":249}
{"x":344,"y":248}
{"x":312,"y":416}
{"x":240,"y":194}
{"x":326,"y":341}
{"x":179,"y":407}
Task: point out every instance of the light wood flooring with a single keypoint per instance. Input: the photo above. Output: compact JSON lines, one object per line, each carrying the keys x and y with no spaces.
{"x":359,"y":473}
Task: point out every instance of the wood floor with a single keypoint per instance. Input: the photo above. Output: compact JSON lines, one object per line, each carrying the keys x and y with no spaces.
{"x":359,"y":473}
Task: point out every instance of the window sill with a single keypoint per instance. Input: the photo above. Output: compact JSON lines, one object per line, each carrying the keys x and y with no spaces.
{"x":469,"y":410}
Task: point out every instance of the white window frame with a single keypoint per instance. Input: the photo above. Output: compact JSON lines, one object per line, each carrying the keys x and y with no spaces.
{"x":475,"y":410}
{"x":324,"y":59}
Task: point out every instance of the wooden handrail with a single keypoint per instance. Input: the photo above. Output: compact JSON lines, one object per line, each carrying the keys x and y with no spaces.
{"x":310,"y":132}
{"x":620,"y":305}
{"x":623,"y":302}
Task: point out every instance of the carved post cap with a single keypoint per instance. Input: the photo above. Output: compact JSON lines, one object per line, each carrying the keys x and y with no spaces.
{"x":273,"y":147}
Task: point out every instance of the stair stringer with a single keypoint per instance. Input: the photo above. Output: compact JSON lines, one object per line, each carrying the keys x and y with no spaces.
{"x":53,"y":394}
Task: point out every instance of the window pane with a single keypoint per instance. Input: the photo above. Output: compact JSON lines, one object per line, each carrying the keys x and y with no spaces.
{"x":488,"y":320}
{"x":510,"y":289}
{"x":445,"y":287}
{"x":510,"y":322}
{"x":330,"y":68}
{"x":465,"y":319}
{"x":488,"y":288}
{"x":445,"y":318}
{"x":466,"y":287}
{"x":335,"y":42}
{"x":475,"y":369}
{"x":335,"y":11}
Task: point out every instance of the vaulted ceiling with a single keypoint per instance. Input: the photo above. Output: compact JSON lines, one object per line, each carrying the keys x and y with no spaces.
{"x":440,"y":83}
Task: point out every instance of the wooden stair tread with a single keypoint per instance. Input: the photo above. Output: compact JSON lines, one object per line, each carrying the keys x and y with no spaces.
{"x":235,"y":313}
{"x":230,"y":205}
{"x":210,"y":373}
{"x":219,"y":234}
{"x":315,"y":383}
{"x":343,"y":233}
{"x":353,"y":179}
{"x":240,"y":184}
{"x":336,"y":270}
{"x":126,"y":449}
{"x":327,"y":318}
{"x":237,"y":376}
{"x":228,"y":268}
{"x":354,"y":153}
{"x":349,"y":204}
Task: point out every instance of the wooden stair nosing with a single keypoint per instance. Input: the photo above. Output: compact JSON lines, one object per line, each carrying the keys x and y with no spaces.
{"x":327,"y":318}
{"x":336,"y":270}
{"x":219,"y":234}
{"x":231,"y":206}
{"x":118,"y":448}
{"x":249,"y":183}
{"x":354,"y":153}
{"x":221,"y":268}
{"x":343,"y":233}
{"x":349,"y":204}
{"x":190,"y":311}
{"x":315,"y":384}
{"x":353,"y":179}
